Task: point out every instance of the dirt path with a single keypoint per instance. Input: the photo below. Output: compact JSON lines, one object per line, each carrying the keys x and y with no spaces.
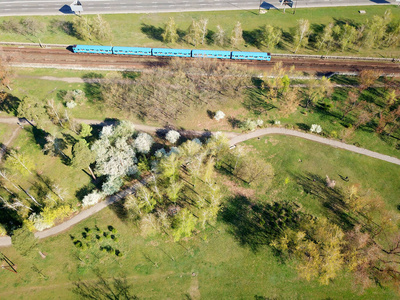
{"x":234,"y":139}
{"x":4,"y":146}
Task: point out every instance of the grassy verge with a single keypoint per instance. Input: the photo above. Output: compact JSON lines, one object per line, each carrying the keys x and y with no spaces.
{"x":212,"y":264}
{"x":146,"y":29}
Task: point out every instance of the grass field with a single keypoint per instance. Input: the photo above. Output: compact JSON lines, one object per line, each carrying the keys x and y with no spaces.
{"x":212,"y":264}
{"x":146,"y":29}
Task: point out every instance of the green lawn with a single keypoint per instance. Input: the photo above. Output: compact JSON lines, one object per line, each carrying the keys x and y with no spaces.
{"x":156,"y":267}
{"x":145,"y":29}
{"x":6,"y":131}
{"x":319,"y":160}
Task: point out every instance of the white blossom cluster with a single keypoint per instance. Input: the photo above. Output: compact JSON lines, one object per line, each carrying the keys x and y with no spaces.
{"x":172,"y":136}
{"x":316,"y":128}
{"x":39,"y":223}
{"x":219,"y":115}
{"x":92,"y":198}
{"x":143,"y":142}
{"x":115,"y":153}
{"x":70,"y":104}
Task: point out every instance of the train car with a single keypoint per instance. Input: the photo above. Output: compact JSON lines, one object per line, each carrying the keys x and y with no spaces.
{"x":171,"y":52}
{"x":251,"y":55}
{"x":211,"y":54}
{"x":131,"y":51}
{"x":92,"y":49}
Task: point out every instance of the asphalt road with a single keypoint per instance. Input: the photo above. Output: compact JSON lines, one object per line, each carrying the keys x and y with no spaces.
{"x":54,"y":7}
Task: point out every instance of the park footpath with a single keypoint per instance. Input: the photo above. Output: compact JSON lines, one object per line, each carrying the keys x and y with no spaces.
{"x":234,"y":138}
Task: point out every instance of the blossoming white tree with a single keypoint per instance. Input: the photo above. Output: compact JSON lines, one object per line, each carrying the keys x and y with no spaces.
{"x":172,"y":136}
{"x":219,"y":115}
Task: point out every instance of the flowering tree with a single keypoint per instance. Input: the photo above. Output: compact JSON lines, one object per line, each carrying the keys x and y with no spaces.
{"x":219,"y":115}
{"x":172,"y":136}
{"x":115,"y":151}
{"x":92,"y":198}
{"x":143,"y":142}
{"x":316,"y":128}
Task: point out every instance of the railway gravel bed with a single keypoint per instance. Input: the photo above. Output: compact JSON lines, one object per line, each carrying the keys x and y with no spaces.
{"x":63,"y":58}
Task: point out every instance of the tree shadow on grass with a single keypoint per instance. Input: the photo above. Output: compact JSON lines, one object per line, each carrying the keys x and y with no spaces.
{"x":257,"y":225}
{"x":9,"y":103}
{"x":104,"y":288}
{"x":331,"y":199}
{"x":92,"y":87}
{"x":152,"y":31}
{"x":255,"y":101}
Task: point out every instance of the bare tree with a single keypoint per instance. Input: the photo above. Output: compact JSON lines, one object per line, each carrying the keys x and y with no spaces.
{"x":237,"y":35}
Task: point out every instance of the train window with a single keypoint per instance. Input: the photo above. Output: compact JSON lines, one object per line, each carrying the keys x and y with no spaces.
{"x":140,"y":51}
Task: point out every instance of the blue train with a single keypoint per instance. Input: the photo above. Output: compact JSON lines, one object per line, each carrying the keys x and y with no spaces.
{"x":239,"y":55}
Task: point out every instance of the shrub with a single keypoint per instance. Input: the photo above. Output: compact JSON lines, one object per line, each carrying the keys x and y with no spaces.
{"x":316,"y":128}
{"x":219,"y":115}
{"x":172,"y":136}
{"x":92,"y":198}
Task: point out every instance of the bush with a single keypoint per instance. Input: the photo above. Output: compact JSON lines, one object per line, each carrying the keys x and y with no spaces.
{"x":172,"y":136}
{"x":219,"y":115}
{"x":92,"y":198}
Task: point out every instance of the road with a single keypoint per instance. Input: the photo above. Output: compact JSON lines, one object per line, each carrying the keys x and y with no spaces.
{"x":54,"y":7}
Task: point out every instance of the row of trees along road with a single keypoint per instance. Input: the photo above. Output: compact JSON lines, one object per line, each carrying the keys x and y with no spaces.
{"x":379,"y":31}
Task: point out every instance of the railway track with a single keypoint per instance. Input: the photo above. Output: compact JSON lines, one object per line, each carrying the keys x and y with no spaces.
{"x":63,"y":57}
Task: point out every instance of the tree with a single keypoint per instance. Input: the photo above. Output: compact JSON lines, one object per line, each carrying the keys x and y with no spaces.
{"x":193,"y":35}
{"x":33,"y":27}
{"x":345,"y":36}
{"x":326,"y":38}
{"x":101,"y":29}
{"x":83,"y":156}
{"x":317,"y":244}
{"x":289,"y":102}
{"x":20,"y":161}
{"x":82,"y":28}
{"x":317,"y":89}
{"x":115,"y":152}
{"x":271,"y":36}
{"x":32,"y":110}
{"x":367,"y":78}
{"x":143,"y":142}
{"x":5,"y":75}
{"x":202,"y":24}
{"x":352,"y":103}
{"x":237,"y":35}
{"x":183,"y":224}
{"x":92,"y":198}
{"x":24,"y":241}
{"x":172,"y":136}
{"x":219,"y":36}
{"x":219,"y":115}
{"x":302,"y":32}
{"x":170,"y":34}
{"x":55,"y":146}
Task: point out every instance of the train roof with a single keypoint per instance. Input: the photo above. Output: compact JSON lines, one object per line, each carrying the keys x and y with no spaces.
{"x":171,"y":50}
{"x":250,"y":53}
{"x":132,"y":48}
{"x":211,"y":52}
{"x":93,"y":47}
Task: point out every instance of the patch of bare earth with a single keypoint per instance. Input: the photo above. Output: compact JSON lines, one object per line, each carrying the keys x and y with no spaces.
{"x":238,"y":190}
{"x":194,"y":291}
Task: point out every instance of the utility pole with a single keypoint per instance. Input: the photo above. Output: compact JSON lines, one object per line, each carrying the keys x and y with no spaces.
{"x":295,"y":5}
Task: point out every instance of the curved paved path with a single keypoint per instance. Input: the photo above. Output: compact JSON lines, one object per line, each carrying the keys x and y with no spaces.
{"x":234,"y":139}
